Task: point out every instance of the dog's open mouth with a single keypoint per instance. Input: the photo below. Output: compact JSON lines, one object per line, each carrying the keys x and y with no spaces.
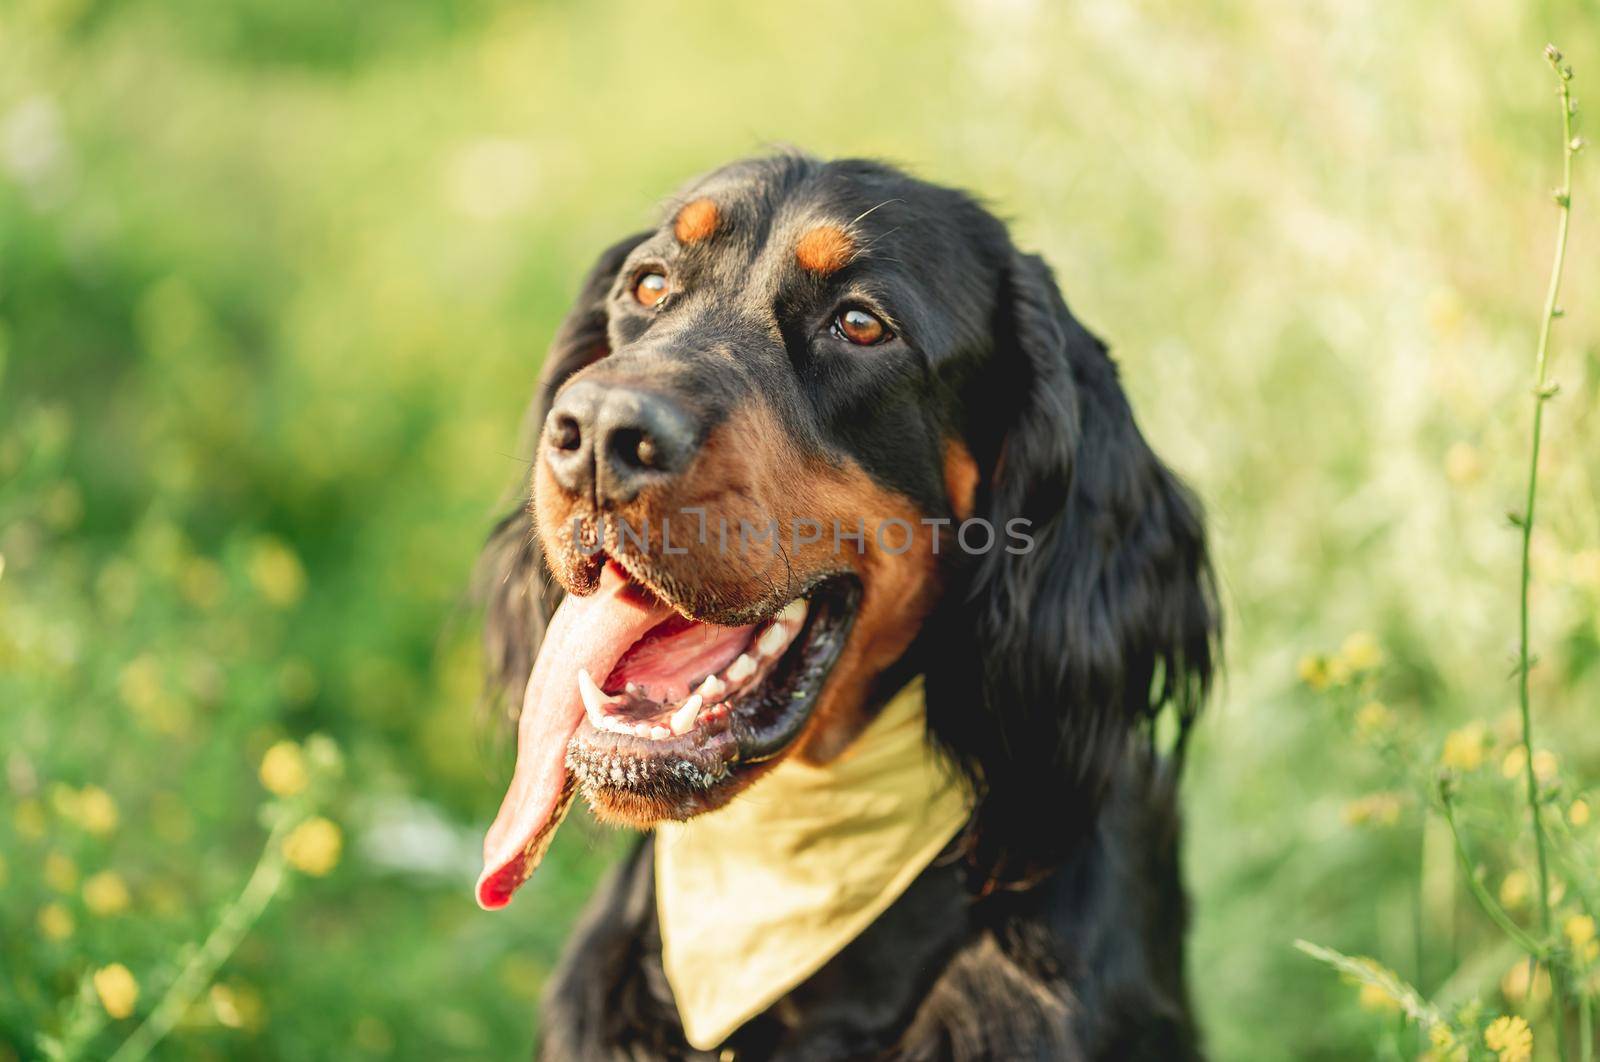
{"x":645,"y":708}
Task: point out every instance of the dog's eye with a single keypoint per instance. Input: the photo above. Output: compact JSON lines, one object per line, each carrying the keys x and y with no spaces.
{"x":860,"y":327}
{"x":650,"y":288}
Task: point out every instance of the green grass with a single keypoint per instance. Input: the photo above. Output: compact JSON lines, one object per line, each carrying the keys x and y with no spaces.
{"x":275,"y":280}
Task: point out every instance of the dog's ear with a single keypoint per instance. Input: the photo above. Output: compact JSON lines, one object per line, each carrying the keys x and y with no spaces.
{"x":516,"y":588}
{"x":1061,"y":648}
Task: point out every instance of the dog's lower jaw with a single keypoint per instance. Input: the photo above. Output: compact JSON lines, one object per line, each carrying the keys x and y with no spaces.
{"x":643,"y":794}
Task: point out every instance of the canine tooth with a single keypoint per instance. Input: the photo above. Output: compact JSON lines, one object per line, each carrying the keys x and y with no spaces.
{"x":793,"y":613}
{"x":683,"y":718}
{"x":593,"y":700}
{"x":712,"y":688}
{"x":741,"y":668}
{"x":659,"y":732}
{"x":772,"y":640}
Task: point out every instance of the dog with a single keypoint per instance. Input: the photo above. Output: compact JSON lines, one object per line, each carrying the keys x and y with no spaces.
{"x":842,"y":360}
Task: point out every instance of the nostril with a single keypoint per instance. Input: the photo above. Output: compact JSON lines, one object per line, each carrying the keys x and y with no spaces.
{"x":565,"y":433}
{"x":634,"y":448}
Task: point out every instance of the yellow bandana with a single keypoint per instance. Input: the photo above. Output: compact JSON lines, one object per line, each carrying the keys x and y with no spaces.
{"x":755,"y":897}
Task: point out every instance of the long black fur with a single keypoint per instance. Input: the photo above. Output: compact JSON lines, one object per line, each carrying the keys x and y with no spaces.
{"x":1054,"y":927}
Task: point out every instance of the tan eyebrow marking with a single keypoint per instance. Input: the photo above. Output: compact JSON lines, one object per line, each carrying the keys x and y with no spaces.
{"x":697,"y":221}
{"x":825,"y":249}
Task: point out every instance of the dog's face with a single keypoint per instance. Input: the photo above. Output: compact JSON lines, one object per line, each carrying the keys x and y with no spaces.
{"x":777,"y":380}
{"x":760,"y":431}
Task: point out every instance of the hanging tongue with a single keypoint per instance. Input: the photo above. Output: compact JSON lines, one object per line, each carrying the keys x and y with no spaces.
{"x":592,"y":633}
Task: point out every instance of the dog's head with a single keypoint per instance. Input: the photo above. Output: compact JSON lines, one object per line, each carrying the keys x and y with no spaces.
{"x":822,"y":430}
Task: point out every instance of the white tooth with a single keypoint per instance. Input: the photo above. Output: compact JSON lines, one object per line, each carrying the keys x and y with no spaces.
{"x":793,"y":612}
{"x":772,"y":640}
{"x":632,"y":687}
{"x":659,"y":732}
{"x":593,"y":700}
{"x":683,"y":718}
{"x":712,"y":688}
{"x":741,"y":668}
{"x":641,"y":730}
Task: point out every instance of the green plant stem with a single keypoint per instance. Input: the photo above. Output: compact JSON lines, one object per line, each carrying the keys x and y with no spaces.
{"x":1495,"y":912}
{"x":236,"y":921}
{"x":1585,"y":1027}
{"x":1542,"y":394}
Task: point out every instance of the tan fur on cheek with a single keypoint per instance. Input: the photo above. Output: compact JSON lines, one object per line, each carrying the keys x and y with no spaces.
{"x":960,"y":478}
{"x":697,"y":221}
{"x":824,"y":250}
{"x":898,"y":591}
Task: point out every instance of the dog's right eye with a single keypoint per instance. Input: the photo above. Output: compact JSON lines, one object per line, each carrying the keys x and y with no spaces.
{"x":650,"y":287}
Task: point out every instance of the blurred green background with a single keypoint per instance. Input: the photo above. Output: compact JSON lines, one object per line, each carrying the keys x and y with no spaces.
{"x":275,"y":280}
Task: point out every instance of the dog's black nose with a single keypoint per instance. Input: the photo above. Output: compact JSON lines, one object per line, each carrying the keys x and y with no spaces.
{"x":616,"y":440}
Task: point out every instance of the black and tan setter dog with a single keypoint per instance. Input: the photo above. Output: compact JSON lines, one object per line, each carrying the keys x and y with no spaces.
{"x":806,"y":345}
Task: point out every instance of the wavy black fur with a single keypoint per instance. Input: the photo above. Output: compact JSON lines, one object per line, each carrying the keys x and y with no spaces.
{"x":1054,"y":928}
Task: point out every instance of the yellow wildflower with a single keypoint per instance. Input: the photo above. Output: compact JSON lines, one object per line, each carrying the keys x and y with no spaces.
{"x":277,"y":573}
{"x":1463,"y":747}
{"x":1580,"y":931}
{"x":117,"y":989}
{"x":1444,"y":1047}
{"x":1372,"y":718}
{"x":139,"y":683}
{"x":1374,"y":997}
{"x":283,"y":769}
{"x":106,"y":894}
{"x":97,"y":812}
{"x":1378,"y":809}
{"x":313,"y":846}
{"x":60,"y":872}
{"x":1361,"y":651}
{"x":1510,"y":1038}
{"x":1514,"y":889}
{"x":55,"y":922}
{"x":1515,"y":763}
{"x":1514,"y":984}
{"x":1578,"y":813}
{"x":1313,"y":671}
{"x":238,"y":1006}
{"x":64,"y":801}
{"x":1545,"y":764}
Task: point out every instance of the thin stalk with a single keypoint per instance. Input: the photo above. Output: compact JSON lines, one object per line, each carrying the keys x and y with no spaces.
{"x":236,"y":921}
{"x":1586,"y":1027}
{"x":1542,"y":393}
{"x":1490,"y":907}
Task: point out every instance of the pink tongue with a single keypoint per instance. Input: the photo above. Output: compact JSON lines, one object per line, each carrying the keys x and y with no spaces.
{"x":675,"y":654}
{"x":592,"y":633}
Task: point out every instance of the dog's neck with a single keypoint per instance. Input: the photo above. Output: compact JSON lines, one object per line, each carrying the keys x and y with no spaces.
{"x":755,"y":897}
